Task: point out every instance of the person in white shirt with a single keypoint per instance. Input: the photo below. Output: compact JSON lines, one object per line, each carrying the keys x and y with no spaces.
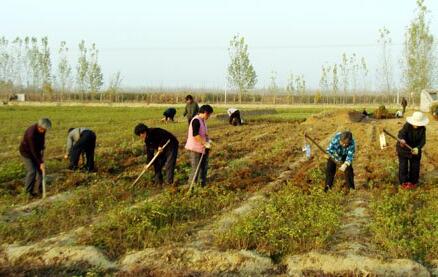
{"x":80,"y":140}
{"x":398,"y":114}
{"x":234,"y":117}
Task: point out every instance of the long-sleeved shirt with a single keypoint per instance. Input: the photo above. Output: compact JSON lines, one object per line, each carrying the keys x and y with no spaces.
{"x":157,"y":137}
{"x":338,"y":152}
{"x":414,"y":137}
{"x":32,"y":145}
{"x":230,"y":111}
{"x":191,"y":109}
{"x":196,"y":125}
{"x":73,"y":137}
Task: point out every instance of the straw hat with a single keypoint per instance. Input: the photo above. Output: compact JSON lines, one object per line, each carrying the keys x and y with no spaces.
{"x":418,"y":119}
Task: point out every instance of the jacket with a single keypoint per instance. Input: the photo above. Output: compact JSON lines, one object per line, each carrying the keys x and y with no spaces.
{"x":191,"y":110}
{"x":157,"y":137}
{"x":32,"y":145}
{"x":339,"y":153}
{"x":414,"y":137}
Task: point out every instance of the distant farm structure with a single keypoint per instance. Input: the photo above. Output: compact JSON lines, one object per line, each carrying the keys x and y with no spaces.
{"x":428,"y":98}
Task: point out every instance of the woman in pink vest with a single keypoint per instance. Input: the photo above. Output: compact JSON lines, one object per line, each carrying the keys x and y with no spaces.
{"x":198,"y":144}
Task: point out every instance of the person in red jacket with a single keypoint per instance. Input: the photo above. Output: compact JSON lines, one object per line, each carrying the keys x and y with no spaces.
{"x":31,"y":151}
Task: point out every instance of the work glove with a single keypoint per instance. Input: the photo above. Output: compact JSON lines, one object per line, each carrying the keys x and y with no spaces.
{"x":207,"y":145}
{"x":414,"y":151}
{"x":343,"y":167}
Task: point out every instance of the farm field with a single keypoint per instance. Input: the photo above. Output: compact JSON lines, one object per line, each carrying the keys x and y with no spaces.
{"x":263,"y":213}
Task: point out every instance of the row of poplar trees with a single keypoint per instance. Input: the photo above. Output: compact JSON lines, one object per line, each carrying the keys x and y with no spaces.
{"x":418,"y":62}
{"x":27,"y":63}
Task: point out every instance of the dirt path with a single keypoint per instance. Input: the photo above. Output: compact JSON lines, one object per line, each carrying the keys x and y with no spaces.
{"x":352,"y":237}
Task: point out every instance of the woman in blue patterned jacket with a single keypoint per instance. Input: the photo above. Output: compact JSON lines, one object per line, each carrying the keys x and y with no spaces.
{"x":340,"y":151}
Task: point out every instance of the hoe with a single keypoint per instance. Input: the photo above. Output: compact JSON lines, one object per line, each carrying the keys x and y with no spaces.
{"x":43,"y":173}
{"x":318,"y":146}
{"x":44,"y":183}
{"x":149,"y":164}
{"x":383,"y":143}
{"x":191,"y":187}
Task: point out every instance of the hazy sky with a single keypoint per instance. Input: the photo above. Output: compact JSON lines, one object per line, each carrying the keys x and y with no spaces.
{"x":184,"y":43}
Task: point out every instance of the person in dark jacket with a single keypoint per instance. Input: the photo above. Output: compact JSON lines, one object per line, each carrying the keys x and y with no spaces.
{"x":32,"y":153}
{"x":404,"y":103}
{"x":169,"y":115}
{"x":154,"y":139}
{"x":412,"y":134}
{"x":79,"y":141}
{"x":191,"y":109}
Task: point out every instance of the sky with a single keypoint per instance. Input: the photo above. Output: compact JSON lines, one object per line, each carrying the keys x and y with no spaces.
{"x":176,"y":44}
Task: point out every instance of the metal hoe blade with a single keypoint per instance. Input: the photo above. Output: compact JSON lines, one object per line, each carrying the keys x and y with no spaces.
{"x":149,"y":164}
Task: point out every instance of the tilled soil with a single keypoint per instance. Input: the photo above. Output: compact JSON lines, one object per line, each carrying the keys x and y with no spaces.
{"x":351,"y":253}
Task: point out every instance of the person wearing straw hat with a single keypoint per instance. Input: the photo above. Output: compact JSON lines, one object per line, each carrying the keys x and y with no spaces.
{"x":31,"y":151}
{"x":412,"y":134}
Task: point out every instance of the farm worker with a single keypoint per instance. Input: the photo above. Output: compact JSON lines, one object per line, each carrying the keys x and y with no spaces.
{"x":79,"y":141}
{"x":32,"y":153}
{"x":191,"y":109}
{"x":340,"y":150}
{"x":154,"y":139}
{"x":169,"y":114}
{"x":198,"y":144}
{"x":398,"y":114}
{"x":404,"y":103}
{"x":413,"y":133}
{"x":234,"y":115}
